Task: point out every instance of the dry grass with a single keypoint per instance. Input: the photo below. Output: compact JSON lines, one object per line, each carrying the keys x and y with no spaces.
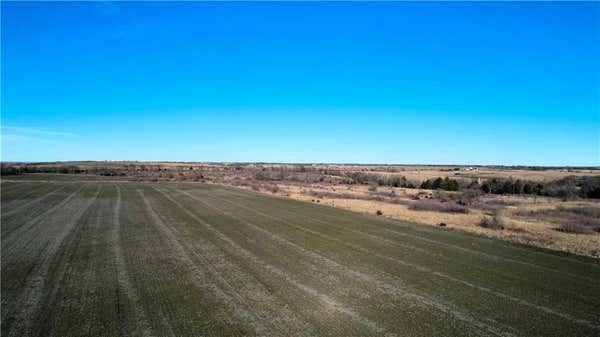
{"x":579,"y":220}
{"x":426,"y":172}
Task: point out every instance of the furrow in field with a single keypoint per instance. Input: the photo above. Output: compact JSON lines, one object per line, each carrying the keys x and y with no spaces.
{"x":11,"y":202}
{"x":18,"y":208}
{"x":17,"y":196}
{"x":141,"y":322}
{"x":439,"y":257}
{"x":487,"y":255}
{"x":143,"y":249}
{"x":15,"y":192}
{"x":21,"y":252}
{"x":476,"y":286}
{"x":12,"y":236}
{"x":326,"y":300}
{"x":367,"y":278}
{"x":29,"y":301}
{"x":8,"y":186}
{"x":220,"y":266}
{"x":69,"y":304}
{"x":325,"y":210}
{"x":442,"y":258}
{"x":429,"y":271}
{"x":565,"y":283}
{"x":242,"y":311}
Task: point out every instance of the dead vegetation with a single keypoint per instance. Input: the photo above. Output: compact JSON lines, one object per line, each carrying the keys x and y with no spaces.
{"x":578,"y":219}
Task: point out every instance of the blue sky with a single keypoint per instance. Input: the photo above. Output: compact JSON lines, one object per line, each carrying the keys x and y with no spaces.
{"x":432,"y":83}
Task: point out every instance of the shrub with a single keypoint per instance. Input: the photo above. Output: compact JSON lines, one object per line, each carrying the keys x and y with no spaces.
{"x":574,"y":227}
{"x":260,"y":175}
{"x":455,"y":208}
{"x":441,"y":196}
{"x":582,"y":220}
{"x":590,"y":187}
{"x":494,"y":222}
{"x":468,"y":197}
{"x":588,"y":211}
{"x":318,"y":194}
{"x":436,"y":206}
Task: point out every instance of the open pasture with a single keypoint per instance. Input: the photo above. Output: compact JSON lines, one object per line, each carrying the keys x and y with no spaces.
{"x":118,"y":258}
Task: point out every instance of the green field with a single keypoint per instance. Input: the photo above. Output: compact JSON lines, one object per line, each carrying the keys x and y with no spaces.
{"x":117,"y":258}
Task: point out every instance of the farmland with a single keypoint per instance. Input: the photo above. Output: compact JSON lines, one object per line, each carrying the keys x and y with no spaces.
{"x":110,"y":257}
{"x":548,"y":207}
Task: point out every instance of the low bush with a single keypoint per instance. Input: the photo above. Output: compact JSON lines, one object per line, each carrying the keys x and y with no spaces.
{"x":493,"y":222}
{"x":442,"y":196}
{"x":436,"y":206}
{"x":580,"y":220}
{"x":468,"y":197}
{"x":318,"y":194}
{"x":388,"y":197}
{"x":587,"y":211}
{"x":575,"y":228}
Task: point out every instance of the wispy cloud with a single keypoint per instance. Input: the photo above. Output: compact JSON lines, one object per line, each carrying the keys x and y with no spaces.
{"x":36,"y":131}
{"x":13,"y":138}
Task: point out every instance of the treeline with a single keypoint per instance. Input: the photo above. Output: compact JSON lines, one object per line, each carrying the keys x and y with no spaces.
{"x":16,"y":170}
{"x":105,"y":171}
{"x":380,"y":179}
{"x":445,"y":184}
{"x":566,"y":188}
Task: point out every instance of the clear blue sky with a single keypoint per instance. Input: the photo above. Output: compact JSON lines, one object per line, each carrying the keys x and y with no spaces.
{"x":432,"y":83}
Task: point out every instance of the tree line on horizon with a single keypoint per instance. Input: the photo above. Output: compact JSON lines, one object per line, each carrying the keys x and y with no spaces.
{"x":566,"y":188}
